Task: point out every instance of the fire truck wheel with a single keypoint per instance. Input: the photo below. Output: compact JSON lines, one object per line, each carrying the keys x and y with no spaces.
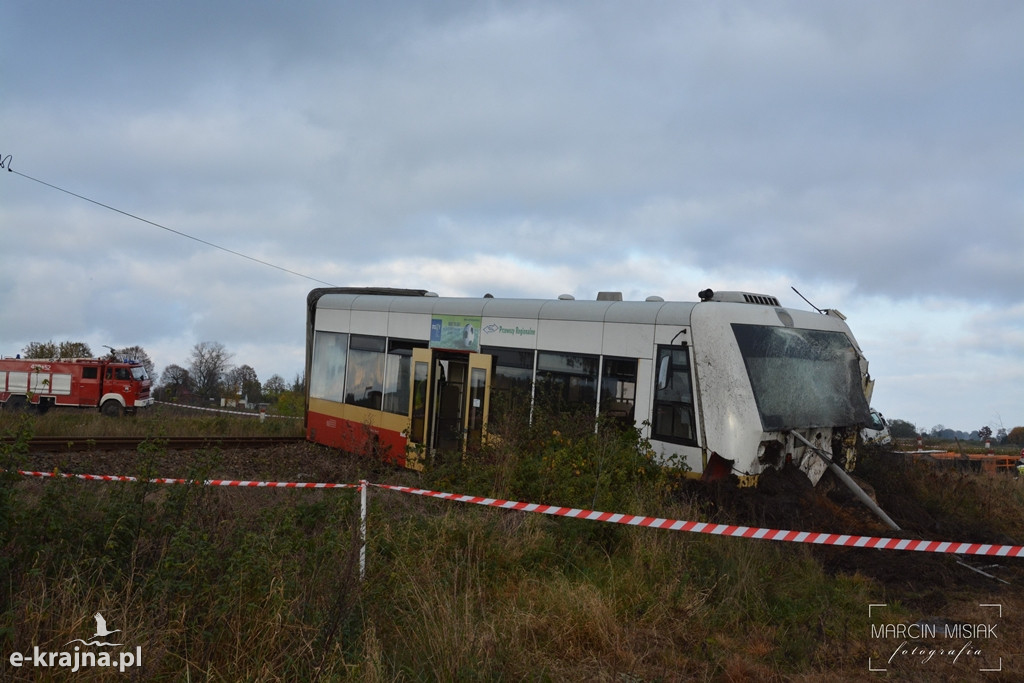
{"x":111,"y":408}
{"x":16,"y":404}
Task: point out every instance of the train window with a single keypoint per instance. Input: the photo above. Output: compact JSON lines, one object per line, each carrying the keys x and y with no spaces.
{"x":510,"y":358}
{"x":618,"y":389}
{"x":364,"y":378}
{"x":673,"y":398}
{"x":477,"y":399}
{"x":511,"y":385}
{"x":362,"y":342}
{"x":566,"y":381}
{"x":419,"y":402}
{"x":397,"y":375}
{"x":327,"y":379}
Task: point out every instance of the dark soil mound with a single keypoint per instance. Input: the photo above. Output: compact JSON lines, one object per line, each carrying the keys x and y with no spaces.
{"x":786,"y":499}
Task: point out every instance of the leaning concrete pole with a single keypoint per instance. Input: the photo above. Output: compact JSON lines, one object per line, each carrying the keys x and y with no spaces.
{"x":850,"y":483}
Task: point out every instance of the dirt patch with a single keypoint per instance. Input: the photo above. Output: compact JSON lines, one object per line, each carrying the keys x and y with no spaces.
{"x":786,"y":500}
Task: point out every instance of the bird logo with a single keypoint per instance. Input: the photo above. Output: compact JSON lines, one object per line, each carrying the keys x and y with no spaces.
{"x":101,"y":632}
{"x":101,"y":627}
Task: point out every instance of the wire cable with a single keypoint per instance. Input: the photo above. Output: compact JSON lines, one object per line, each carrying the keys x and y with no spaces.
{"x":5,"y":162}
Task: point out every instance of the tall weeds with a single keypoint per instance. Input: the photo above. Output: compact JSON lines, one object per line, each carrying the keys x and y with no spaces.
{"x":155,"y":421}
{"x":257,"y":584}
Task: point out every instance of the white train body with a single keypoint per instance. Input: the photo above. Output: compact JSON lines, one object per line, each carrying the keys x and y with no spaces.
{"x":720,"y":383}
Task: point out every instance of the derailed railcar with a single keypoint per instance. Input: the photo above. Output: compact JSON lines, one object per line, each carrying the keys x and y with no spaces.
{"x":733,"y":383}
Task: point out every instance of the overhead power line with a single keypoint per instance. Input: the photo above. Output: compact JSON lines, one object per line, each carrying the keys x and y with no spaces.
{"x":5,"y":162}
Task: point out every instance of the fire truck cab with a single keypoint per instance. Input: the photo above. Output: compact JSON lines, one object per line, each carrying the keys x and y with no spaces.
{"x":113,"y":387}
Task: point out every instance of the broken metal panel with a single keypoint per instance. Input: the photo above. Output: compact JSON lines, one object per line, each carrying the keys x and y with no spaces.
{"x":807,"y":460}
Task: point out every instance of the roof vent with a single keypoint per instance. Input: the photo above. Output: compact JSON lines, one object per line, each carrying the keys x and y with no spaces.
{"x":739,"y":297}
{"x":609,"y":296}
{"x":761,"y":299}
{"x":566,"y":297}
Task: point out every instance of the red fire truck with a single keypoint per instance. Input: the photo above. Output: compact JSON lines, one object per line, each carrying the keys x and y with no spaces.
{"x":112,"y":386}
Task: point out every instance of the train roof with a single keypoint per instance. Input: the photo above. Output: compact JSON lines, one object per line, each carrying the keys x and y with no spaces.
{"x":420,"y":301}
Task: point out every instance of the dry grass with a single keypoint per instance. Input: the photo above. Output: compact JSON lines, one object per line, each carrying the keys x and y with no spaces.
{"x":222,"y":584}
{"x":155,"y":421}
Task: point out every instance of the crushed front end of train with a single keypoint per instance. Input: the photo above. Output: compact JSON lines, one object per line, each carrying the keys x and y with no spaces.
{"x":777,"y":386}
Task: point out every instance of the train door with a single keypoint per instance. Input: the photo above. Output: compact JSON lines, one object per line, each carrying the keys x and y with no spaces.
{"x":450,"y":399}
{"x":478,"y":399}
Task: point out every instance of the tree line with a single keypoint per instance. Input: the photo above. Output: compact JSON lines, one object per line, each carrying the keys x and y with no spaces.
{"x":65,"y":350}
{"x":209,"y":375}
{"x":901,"y":429}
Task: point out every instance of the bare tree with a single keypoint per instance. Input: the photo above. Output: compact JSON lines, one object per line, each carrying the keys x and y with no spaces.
{"x":176,"y":382}
{"x":48,"y":349}
{"x":243,"y":382}
{"x":40,"y":350}
{"x":274,"y":387}
{"x":209,"y":363}
{"x":70,"y":349}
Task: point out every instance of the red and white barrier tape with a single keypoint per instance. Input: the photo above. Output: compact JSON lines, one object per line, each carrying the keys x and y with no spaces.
{"x":236,"y":413}
{"x":817,"y":538}
{"x":205,"y":482}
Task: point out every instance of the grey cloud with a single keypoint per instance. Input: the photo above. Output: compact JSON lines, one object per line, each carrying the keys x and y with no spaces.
{"x":871,"y":151}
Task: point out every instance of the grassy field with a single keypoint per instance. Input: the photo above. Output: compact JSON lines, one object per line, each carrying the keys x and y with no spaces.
{"x":263,"y":584}
{"x":157,"y":421}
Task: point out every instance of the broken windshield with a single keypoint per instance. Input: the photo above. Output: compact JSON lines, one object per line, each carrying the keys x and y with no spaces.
{"x":802,"y":378}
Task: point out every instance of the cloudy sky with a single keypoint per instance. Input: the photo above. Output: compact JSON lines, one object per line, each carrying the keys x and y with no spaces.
{"x":869,"y":154}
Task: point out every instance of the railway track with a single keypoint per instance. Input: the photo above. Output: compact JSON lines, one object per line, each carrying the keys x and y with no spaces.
{"x":69,"y":444}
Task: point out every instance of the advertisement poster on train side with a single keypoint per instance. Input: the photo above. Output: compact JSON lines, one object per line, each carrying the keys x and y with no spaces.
{"x":455,"y":332}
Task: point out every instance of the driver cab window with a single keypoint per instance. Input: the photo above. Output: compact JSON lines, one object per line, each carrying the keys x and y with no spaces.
{"x":673,"y":397}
